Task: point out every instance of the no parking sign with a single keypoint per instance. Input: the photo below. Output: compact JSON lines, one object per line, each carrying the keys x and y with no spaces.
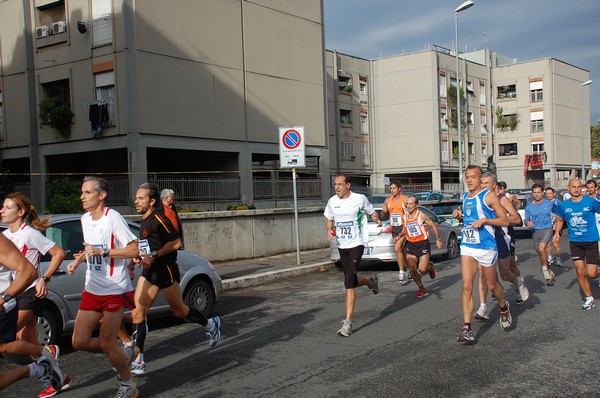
{"x":291,"y":147}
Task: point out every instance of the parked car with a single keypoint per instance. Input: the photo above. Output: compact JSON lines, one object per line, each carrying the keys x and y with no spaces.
{"x":430,"y":196}
{"x":443,"y":209}
{"x":381,"y":243}
{"x":200,"y":283}
{"x":524,"y":201}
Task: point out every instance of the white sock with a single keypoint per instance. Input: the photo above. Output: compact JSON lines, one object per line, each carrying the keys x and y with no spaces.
{"x":127,"y":383}
{"x":483,"y":307}
{"x":36,"y":370}
{"x":401,"y":273}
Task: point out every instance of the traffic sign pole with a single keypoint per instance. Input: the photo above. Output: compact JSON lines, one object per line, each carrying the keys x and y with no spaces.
{"x":296,"y":218}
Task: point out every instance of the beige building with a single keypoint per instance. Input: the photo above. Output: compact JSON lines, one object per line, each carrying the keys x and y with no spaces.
{"x":536,"y":138}
{"x":190,"y":96}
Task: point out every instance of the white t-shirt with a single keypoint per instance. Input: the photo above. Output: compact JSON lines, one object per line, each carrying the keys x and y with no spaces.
{"x":107,"y":275}
{"x":32,"y":244}
{"x":350,"y":219}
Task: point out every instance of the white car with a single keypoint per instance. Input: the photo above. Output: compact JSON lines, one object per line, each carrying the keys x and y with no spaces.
{"x":381,"y":243}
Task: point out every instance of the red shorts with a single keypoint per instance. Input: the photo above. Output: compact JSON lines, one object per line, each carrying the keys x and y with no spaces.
{"x":108,"y":303}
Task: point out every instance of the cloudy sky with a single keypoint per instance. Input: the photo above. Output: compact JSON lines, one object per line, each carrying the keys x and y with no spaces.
{"x":568,"y":30}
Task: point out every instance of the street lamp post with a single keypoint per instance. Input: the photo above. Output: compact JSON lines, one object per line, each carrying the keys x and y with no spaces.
{"x":586,"y":83}
{"x":462,"y":7}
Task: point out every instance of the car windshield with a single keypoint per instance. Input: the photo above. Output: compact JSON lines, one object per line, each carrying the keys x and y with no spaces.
{"x":421,"y":196}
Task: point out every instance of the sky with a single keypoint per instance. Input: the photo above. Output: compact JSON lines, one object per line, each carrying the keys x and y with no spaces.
{"x":567,"y":30}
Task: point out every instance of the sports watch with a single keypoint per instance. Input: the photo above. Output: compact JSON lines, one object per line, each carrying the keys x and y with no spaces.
{"x":5,"y":296}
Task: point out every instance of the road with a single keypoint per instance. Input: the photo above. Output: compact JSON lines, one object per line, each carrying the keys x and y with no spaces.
{"x":279,"y":340}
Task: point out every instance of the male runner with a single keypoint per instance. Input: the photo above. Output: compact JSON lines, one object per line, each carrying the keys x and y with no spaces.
{"x":109,"y":244}
{"x":506,"y":250}
{"x":502,"y":189}
{"x":347,"y":211}
{"x":418,"y":247}
{"x":16,"y":274}
{"x":395,"y":206}
{"x":580,"y":214}
{"x":159,"y":242}
{"x":538,"y":215}
{"x":480,"y":213}
{"x":551,"y":196}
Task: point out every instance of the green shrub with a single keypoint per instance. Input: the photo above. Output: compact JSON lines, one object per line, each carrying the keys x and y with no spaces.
{"x":241,"y":206}
{"x":64,"y":197}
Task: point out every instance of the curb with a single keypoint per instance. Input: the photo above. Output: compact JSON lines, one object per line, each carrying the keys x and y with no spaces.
{"x":270,"y":276}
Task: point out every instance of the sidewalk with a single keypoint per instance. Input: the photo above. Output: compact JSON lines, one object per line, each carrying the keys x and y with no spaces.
{"x":255,"y":271}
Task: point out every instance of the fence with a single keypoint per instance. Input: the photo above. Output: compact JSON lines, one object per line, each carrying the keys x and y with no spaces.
{"x":273,"y":188}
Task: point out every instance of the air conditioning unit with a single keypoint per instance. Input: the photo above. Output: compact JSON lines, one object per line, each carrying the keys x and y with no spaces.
{"x":42,"y":31}
{"x":59,"y":27}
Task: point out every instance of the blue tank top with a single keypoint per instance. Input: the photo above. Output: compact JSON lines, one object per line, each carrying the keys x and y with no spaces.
{"x":474,"y":209}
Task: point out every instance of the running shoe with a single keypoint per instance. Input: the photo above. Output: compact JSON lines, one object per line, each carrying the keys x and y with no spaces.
{"x":49,"y":391}
{"x":138,"y":367}
{"x":523,"y":292}
{"x":53,"y":349}
{"x":548,"y":276}
{"x":214,"y":334}
{"x":422,"y":293}
{"x":432,"y":270}
{"x":518,"y":299}
{"x":588,"y":304}
{"x":127,"y":391}
{"x":558,"y":262}
{"x":346,"y":329}
{"x":481,"y":315}
{"x":52,"y":372}
{"x":505,"y":317}
{"x":466,"y":335}
{"x":374,"y":283}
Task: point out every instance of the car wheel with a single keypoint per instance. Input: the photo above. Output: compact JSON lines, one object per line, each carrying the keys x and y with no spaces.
{"x":47,"y":328}
{"x":453,"y":249}
{"x":199,"y":294}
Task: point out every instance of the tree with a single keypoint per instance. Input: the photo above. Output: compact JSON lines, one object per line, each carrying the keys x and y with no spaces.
{"x":451,"y":98}
{"x":64,"y":197}
{"x":595,"y":136}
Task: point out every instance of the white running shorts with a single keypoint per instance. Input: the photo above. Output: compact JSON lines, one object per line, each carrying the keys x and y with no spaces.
{"x":485,"y":257}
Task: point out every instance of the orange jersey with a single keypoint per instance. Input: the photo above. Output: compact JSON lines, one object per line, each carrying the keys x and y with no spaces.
{"x":396,"y":210}
{"x":416,"y":230}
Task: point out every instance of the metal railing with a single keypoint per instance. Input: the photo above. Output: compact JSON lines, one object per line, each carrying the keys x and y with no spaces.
{"x":275,"y":188}
{"x":194,"y":189}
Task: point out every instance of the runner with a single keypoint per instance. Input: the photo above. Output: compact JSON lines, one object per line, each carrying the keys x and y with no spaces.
{"x":579,"y":213}
{"x":502,"y":189}
{"x":395,"y":206}
{"x":347,"y":212}
{"x":480,"y":213}
{"x":506,"y":251}
{"x":551,"y":196}
{"x":592,"y":192}
{"x":418,"y":248}
{"x":158,"y":258}
{"x":108,"y":246}
{"x":16,"y":273}
{"x":538,"y":216}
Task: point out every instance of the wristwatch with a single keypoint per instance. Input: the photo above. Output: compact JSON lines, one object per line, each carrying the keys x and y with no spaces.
{"x":46,"y":278}
{"x":105,"y":252}
{"x":5,"y":296}
{"x":154,"y":253}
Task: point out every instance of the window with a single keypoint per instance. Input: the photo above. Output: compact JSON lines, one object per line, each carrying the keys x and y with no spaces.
{"x":443,"y":119}
{"x":365,"y":154}
{"x":445,"y":157}
{"x":345,"y":83}
{"x":537,"y":121}
{"x":50,"y":13}
{"x":347,"y":149}
{"x":537,"y":147}
{"x":50,"y":23}
{"x":536,"y":90}
{"x":470,"y":89}
{"x":364,"y":94}
{"x":484,"y":158}
{"x":345,"y":116}
{"x":105,"y":95}
{"x":470,"y":119}
{"x":507,"y":149}
{"x":481,"y":93}
{"x":471,"y":149}
{"x":58,"y":89}
{"x":442,"y":82}
{"x":509,"y":91}
{"x":454,"y":149}
{"x":102,"y":29}
{"x":364,"y":123}
{"x":482,"y":123}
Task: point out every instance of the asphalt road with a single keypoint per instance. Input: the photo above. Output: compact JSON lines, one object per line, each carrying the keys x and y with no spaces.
{"x":279,"y":340}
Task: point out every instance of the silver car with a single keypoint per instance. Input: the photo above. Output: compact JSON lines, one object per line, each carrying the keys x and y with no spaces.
{"x":200,"y":283}
{"x":381,"y":243}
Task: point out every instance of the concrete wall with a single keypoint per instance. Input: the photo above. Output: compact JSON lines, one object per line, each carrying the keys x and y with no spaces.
{"x":228,"y":235}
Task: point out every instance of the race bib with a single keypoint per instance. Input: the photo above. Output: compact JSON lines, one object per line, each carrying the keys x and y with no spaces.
{"x":144,"y":246}
{"x":413,"y":230}
{"x":470,"y":235}
{"x":95,"y":263}
{"x":395,"y":220}
{"x":345,"y":230}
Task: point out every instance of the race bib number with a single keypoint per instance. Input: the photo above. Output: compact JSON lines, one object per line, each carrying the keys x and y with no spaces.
{"x":413,"y":230}
{"x":345,"y":231}
{"x":470,"y":235}
{"x":395,"y":220}
{"x":95,"y":263}
{"x":144,"y":246}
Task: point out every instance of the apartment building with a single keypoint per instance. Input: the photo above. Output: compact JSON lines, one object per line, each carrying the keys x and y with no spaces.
{"x":412,"y":134}
{"x":189,"y":94}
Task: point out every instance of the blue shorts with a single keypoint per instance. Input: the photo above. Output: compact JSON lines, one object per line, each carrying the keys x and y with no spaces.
{"x":8,"y":325}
